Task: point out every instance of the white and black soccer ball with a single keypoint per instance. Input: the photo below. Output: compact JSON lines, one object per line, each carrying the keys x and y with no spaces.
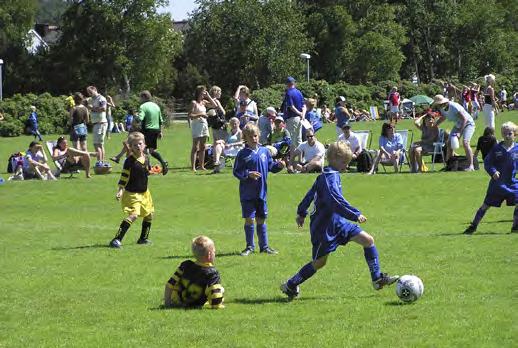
{"x":409,"y":288}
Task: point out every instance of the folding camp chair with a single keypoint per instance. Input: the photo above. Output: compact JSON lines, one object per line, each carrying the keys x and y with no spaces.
{"x":373,"y":110}
{"x":437,"y":149}
{"x":51,"y":144}
{"x":407,"y":136}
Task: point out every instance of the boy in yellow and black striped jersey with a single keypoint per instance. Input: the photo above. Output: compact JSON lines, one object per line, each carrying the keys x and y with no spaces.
{"x":195,"y":284}
{"x":133,"y":191}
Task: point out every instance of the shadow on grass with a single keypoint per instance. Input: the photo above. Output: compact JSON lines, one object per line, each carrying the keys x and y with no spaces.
{"x":164,"y":308}
{"x":93,"y":246}
{"x":397,"y":303}
{"x":460,"y":234}
{"x":256,"y":301}
{"x":490,"y":222}
{"x":218,"y":255}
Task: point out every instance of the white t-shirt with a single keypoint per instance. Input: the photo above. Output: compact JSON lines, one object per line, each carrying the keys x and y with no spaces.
{"x":309,"y":152}
{"x":353,"y":141}
{"x":99,"y":117}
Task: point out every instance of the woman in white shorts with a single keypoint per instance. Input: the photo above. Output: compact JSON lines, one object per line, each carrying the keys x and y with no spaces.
{"x":464,"y":124}
{"x":199,"y":125}
{"x":489,"y":107}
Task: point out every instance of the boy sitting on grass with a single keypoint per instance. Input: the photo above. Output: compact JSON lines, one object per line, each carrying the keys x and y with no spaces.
{"x":501,"y":163}
{"x":329,"y":224}
{"x":133,"y":192}
{"x":195,"y":284}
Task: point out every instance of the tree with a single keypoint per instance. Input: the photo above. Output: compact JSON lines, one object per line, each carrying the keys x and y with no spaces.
{"x":115,"y":44}
{"x":249,"y":42}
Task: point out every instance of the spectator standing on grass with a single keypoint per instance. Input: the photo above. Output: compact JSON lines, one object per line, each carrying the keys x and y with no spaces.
{"x":79,"y":118}
{"x":294,"y":110}
{"x":464,"y":125}
{"x":98,"y":105}
{"x":199,"y":125}
{"x":217,"y":122}
{"x":394,"y":100}
{"x":490,"y":107}
{"x":32,"y":123}
{"x":151,"y":117}
{"x":109,"y":117}
{"x":311,"y":117}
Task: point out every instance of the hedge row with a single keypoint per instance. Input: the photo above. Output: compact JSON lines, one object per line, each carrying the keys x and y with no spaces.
{"x":52,"y":114}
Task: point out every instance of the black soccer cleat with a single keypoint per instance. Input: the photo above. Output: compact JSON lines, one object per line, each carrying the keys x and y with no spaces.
{"x":144,"y":241}
{"x":471,"y":229}
{"x":385,"y":279}
{"x":165,"y":168}
{"x":248,"y":250}
{"x":115,"y":243}
{"x":269,"y":250}
{"x":291,"y":293}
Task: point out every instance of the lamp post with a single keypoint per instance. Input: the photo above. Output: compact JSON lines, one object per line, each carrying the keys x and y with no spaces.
{"x":307,"y":57}
{"x":1,"y":82}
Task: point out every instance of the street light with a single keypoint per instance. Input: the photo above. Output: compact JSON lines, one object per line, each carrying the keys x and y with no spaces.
{"x":1,"y":64}
{"x":307,"y":57}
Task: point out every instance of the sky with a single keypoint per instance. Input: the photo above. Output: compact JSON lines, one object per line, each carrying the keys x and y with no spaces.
{"x":179,"y":9}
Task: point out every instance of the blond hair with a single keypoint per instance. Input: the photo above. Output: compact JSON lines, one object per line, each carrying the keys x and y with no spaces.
{"x":339,"y":152}
{"x":201,"y":246}
{"x":510,"y":126}
{"x":490,"y":78}
{"x":251,"y":129}
{"x":134,"y":137}
{"x":213,"y":90}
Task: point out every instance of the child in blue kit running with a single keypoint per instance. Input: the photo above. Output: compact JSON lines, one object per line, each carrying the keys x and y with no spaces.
{"x":329,"y":224}
{"x":251,"y":168}
{"x":501,"y":163}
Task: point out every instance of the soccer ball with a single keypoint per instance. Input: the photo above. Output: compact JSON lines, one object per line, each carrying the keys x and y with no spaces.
{"x":409,"y":288}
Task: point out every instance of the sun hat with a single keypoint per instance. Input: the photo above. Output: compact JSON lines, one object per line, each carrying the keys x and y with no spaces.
{"x":279,"y":118}
{"x":440,"y":99}
{"x":341,"y":98}
{"x":271,"y":110}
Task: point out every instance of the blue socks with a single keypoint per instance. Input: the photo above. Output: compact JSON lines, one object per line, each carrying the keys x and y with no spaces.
{"x":371,"y":256}
{"x":249,"y":235}
{"x":478,"y":216}
{"x":302,"y":275}
{"x":262,"y":235}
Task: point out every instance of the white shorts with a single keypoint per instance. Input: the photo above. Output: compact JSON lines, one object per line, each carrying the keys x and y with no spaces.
{"x":199,"y":128}
{"x":489,"y":113}
{"x":99,"y":132}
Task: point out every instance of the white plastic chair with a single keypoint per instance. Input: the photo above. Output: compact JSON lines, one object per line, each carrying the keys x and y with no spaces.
{"x":437,"y":148}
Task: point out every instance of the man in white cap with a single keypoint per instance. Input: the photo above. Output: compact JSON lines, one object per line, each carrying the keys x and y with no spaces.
{"x":464,"y":124}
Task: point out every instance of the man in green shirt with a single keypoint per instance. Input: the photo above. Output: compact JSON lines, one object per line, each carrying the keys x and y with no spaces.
{"x":152,"y":120}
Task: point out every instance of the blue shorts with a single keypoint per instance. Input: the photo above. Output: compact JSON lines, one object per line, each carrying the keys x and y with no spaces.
{"x":254,"y":207}
{"x":338,"y":233}
{"x":495,"y":196}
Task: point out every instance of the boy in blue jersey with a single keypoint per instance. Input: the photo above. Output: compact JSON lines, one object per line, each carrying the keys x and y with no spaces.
{"x":501,"y":163}
{"x":329,"y":224}
{"x":251,"y":168}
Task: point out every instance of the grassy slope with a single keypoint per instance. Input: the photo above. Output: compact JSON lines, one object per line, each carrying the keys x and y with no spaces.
{"x":61,"y":286}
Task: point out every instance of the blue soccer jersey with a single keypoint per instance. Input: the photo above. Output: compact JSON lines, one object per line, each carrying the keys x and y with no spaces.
{"x":506,"y":163}
{"x":258,"y":160}
{"x":328,"y":219}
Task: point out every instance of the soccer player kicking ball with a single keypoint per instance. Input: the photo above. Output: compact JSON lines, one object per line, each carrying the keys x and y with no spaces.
{"x":251,"y":168}
{"x":501,"y":163}
{"x":133,"y":192}
{"x":329,"y":224}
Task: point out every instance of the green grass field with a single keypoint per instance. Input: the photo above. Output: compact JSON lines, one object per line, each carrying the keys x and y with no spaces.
{"x":61,"y":285}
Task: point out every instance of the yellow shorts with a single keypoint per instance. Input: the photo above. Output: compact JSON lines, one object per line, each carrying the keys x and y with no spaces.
{"x":140,"y":204}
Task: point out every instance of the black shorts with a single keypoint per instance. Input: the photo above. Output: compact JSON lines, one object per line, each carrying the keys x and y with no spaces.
{"x":151,"y":137}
